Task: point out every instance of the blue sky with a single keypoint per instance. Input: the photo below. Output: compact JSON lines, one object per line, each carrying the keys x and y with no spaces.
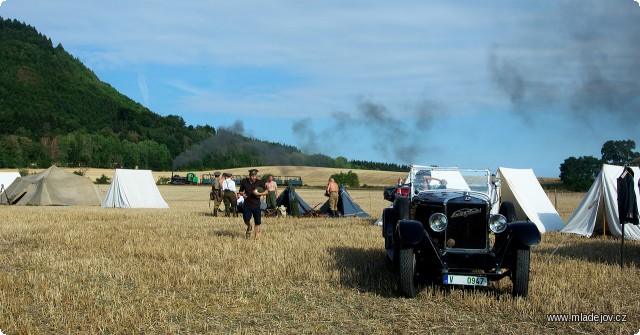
{"x":451,"y":83}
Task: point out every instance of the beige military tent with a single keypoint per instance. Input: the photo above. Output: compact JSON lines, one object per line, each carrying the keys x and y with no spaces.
{"x":52,"y":186}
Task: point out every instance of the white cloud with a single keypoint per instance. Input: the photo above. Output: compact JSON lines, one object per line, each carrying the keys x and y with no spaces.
{"x":1,"y":1}
{"x":144,"y":89}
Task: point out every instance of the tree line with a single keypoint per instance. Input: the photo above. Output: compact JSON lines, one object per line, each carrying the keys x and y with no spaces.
{"x":579,"y":173}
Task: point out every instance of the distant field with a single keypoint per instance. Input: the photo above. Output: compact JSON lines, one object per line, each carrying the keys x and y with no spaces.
{"x":312,"y":176}
{"x":75,"y":270}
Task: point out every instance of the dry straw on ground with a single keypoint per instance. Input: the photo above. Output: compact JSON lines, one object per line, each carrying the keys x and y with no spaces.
{"x":112,"y":271}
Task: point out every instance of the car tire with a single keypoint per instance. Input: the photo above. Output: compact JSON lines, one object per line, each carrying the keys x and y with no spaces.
{"x":508,"y":210}
{"x":407,"y":273}
{"x":520,"y":275}
{"x":403,"y":212}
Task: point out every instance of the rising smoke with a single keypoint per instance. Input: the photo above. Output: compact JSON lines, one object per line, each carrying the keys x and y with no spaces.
{"x":396,"y":135}
{"x":309,"y":140}
{"x":231,"y":141}
{"x":591,"y":71}
{"x":237,"y":127}
{"x":225,"y":138}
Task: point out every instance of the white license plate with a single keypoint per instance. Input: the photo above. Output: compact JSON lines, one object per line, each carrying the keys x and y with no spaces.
{"x":465,"y":280}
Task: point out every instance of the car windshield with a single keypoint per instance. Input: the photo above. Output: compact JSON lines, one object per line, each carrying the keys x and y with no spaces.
{"x":450,"y":179}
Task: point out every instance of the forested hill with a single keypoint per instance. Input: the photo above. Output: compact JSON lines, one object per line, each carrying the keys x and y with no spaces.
{"x":54,"y":110}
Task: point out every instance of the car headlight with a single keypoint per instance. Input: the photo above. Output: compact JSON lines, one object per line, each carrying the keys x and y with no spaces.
{"x":497,"y":223}
{"x":438,"y":222}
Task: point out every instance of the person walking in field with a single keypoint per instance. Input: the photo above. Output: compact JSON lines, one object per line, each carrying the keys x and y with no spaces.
{"x":332,"y":191}
{"x":272,"y":188}
{"x":229,"y":195}
{"x":216,"y":192}
{"x":252,"y":189}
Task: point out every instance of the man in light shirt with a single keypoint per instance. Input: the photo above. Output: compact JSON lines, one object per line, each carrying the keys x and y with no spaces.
{"x":229,"y":195}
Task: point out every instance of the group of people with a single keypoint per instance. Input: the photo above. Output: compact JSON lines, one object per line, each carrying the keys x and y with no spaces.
{"x":246,"y":200}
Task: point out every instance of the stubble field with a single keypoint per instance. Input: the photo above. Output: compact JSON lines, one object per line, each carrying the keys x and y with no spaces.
{"x":88,"y":270}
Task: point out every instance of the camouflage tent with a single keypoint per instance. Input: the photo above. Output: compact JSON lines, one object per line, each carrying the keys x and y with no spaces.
{"x":346,"y":206}
{"x":51,"y":187}
{"x":293,"y":202}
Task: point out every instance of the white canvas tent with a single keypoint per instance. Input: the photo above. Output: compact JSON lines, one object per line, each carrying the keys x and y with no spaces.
{"x":521,"y":187}
{"x":133,"y":189}
{"x":6,"y":178}
{"x":51,"y":187}
{"x":598,"y":211}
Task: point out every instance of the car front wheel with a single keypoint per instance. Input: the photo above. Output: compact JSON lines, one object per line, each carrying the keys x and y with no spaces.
{"x":407,"y":273}
{"x":520,"y":275}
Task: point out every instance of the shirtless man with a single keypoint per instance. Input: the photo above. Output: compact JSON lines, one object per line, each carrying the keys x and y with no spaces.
{"x":272,"y":188}
{"x":332,"y":189}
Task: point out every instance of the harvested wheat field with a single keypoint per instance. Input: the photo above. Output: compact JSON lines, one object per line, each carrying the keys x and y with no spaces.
{"x":89,"y":270}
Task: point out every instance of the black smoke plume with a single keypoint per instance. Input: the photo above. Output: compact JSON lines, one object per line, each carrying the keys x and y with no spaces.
{"x":591,"y":70}
{"x":396,"y":135}
{"x":223,"y":139}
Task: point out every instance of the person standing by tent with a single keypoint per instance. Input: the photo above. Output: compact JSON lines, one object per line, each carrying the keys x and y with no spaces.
{"x":229,"y":195}
{"x":272,"y":188}
{"x":252,"y":189}
{"x":332,"y":191}
{"x":216,"y":192}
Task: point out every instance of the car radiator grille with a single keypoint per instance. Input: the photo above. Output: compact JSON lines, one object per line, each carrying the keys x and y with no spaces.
{"x":466,"y":232}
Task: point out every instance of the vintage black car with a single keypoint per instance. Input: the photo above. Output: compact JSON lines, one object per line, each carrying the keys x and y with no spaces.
{"x":446,"y":225}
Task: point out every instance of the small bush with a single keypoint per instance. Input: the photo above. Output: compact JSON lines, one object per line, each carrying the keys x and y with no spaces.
{"x":163,"y":181}
{"x":81,"y":172}
{"x":103,"y":179}
{"x":23,"y":172}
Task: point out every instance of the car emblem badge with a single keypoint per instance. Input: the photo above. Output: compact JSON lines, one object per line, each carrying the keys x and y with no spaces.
{"x":464,"y":212}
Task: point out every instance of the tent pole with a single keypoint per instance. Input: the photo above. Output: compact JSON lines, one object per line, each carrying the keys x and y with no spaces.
{"x":622,"y":248}
{"x":555,"y":195}
{"x":604,"y":221}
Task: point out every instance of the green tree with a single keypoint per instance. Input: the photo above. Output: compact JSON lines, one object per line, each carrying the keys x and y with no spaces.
{"x":342,"y":162}
{"x":577,"y":174}
{"x":350,"y":178}
{"x":618,"y":152}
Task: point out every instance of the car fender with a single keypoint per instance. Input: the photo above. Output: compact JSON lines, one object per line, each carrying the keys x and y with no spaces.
{"x":388,"y":226}
{"x":524,"y":232}
{"x":410,"y":232}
